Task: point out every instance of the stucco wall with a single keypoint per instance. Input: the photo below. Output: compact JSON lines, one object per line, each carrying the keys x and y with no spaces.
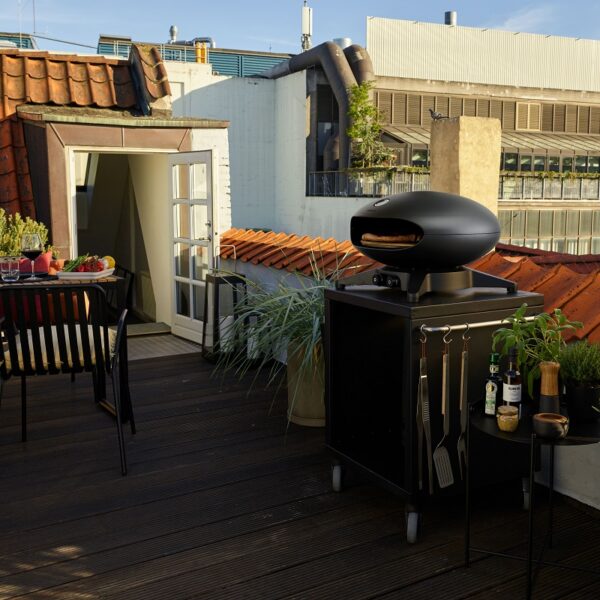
{"x":249,"y":105}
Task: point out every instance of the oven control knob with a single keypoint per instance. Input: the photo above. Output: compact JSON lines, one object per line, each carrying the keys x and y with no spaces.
{"x":392,"y":282}
{"x":377,"y":279}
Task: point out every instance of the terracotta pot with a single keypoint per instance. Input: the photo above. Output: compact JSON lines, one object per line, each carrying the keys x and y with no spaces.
{"x":580,"y":403}
{"x":306,"y":391}
{"x":56,"y":265}
{"x":41,"y":263}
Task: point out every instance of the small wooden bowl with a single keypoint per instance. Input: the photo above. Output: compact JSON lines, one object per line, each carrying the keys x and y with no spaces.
{"x":550,"y":426}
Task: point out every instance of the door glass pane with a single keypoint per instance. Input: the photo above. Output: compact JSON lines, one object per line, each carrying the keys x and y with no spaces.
{"x":200,"y":262}
{"x":573,"y":223}
{"x":181,"y":181}
{"x":581,"y":164}
{"x":510,"y":161}
{"x":518,"y":224}
{"x":546,"y":223}
{"x":525,"y":164}
{"x":182,"y":260}
{"x":585,"y":223}
{"x":199,"y":181}
{"x":553,"y":163}
{"x":533,"y":222}
{"x":181,"y":220}
{"x":200,"y":218}
{"x":198,"y":291}
{"x":560,"y":220}
{"x":182,"y":294}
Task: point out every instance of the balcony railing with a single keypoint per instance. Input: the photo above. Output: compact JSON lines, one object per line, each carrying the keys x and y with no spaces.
{"x":336,"y":183}
{"x":511,"y":187}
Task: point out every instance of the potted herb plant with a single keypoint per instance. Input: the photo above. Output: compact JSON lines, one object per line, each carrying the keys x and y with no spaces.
{"x":12,"y":228}
{"x":279,"y":330}
{"x":580,"y":372}
{"x":537,"y":339}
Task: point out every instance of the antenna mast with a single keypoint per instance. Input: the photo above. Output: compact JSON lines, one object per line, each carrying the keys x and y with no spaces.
{"x":306,"y":38}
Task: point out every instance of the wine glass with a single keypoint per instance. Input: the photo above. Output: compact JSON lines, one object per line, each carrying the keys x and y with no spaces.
{"x":31,"y":248}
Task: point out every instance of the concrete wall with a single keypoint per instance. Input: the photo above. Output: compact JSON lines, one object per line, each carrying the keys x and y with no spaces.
{"x":464,"y":158}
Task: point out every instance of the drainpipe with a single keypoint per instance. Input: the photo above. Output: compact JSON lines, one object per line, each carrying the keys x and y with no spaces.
{"x":343,"y":69}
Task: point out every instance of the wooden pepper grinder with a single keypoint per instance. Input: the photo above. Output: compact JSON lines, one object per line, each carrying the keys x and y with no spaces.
{"x":549,"y":397}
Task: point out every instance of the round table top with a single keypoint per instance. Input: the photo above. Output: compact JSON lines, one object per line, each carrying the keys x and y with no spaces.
{"x":579,"y":434}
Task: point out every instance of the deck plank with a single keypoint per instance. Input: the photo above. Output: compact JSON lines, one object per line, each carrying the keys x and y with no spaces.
{"x":222,"y":502}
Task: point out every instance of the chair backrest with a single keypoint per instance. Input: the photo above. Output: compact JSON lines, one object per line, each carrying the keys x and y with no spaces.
{"x":54,"y":329}
{"x":119,"y":296}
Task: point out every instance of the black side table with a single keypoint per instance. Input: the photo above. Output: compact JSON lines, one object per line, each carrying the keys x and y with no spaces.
{"x":579,"y":434}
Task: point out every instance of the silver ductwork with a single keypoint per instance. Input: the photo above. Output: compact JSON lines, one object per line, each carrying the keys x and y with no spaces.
{"x":343,"y":69}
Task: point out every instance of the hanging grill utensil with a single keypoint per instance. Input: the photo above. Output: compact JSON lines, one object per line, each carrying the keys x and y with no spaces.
{"x":441,"y":458}
{"x":423,"y":419}
{"x":461,"y":445}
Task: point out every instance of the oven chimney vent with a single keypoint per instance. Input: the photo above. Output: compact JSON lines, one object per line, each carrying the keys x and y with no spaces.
{"x":450,"y":18}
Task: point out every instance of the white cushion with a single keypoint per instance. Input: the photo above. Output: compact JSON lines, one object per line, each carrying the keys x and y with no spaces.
{"x":112,"y":336}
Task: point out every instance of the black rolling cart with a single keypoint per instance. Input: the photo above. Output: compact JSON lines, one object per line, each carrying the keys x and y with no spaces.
{"x":579,"y":434}
{"x":372,"y":358}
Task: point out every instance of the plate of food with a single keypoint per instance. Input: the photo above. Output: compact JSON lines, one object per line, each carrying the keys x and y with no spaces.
{"x":87,"y":268}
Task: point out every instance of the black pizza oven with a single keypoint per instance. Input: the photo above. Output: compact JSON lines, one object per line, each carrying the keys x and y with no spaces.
{"x":434,"y":230}
{"x":424,"y":239}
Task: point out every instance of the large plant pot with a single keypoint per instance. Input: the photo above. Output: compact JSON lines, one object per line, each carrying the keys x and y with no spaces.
{"x":306,"y":390}
{"x":580,"y":403}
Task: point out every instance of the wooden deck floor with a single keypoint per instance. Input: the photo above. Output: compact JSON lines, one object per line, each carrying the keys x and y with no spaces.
{"x":220,"y":504}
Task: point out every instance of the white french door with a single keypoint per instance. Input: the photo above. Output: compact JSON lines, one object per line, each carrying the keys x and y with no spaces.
{"x":192,"y":243}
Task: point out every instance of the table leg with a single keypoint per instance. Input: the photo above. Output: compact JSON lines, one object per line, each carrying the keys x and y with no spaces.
{"x":468,"y":497}
{"x":551,"y":497}
{"x":530,"y":527}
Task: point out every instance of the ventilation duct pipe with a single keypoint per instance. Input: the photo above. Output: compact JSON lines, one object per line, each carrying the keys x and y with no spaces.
{"x":343,"y":69}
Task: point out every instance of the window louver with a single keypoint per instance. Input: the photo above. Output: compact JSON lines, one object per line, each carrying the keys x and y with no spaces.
{"x":413,"y":109}
{"x":399,"y":110}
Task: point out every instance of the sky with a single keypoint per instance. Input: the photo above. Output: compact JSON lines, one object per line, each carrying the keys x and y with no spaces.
{"x":274,"y":25}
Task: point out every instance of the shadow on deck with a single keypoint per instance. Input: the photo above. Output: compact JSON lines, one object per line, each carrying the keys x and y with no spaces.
{"x":219,"y":503}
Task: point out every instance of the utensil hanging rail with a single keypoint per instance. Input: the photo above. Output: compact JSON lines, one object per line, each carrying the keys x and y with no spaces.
{"x":463,"y":326}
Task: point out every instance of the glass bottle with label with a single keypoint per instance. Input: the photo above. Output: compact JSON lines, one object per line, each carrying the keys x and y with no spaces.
{"x":511,"y":382}
{"x":493,"y":385}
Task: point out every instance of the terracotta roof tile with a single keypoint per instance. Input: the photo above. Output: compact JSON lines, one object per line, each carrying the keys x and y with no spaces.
{"x":66,"y":80}
{"x":292,"y":252}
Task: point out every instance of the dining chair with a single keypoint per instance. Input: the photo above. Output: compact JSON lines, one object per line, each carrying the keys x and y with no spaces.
{"x":54,"y":329}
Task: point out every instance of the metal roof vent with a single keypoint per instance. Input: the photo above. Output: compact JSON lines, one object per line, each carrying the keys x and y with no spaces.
{"x":343,"y":42}
{"x":173,"y":34}
{"x":450,"y":18}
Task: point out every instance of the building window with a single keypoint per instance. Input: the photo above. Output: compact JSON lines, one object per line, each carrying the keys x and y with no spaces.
{"x":567,"y":164}
{"x":581,"y":164}
{"x":524,"y":163}
{"x":510,"y":161}
{"x":593,"y":164}
{"x":539,"y":163}
{"x":553,"y":163}
{"x":419,"y":158}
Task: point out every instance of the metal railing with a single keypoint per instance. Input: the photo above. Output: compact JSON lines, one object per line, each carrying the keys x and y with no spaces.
{"x":511,"y":187}
{"x":337,"y":183}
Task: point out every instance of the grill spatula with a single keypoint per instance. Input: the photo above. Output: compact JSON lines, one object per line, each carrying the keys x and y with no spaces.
{"x":464,"y":407}
{"x":441,"y":458}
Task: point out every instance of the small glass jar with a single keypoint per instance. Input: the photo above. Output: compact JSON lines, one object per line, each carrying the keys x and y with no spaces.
{"x":507,"y":418}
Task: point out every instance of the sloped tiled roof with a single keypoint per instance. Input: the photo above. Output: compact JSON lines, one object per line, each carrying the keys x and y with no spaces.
{"x":293,"y":252}
{"x":36,"y":77}
{"x":582,"y":263}
{"x":576,"y":294}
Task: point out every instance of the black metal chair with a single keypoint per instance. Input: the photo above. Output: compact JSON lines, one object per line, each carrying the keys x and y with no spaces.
{"x":52,"y":329}
{"x":119,"y":295}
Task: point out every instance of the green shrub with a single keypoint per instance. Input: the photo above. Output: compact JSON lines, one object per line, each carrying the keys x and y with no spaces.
{"x":580,"y":364}
{"x":12,"y":228}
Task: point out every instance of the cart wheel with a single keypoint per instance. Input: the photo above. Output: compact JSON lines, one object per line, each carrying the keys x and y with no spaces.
{"x":412,"y":527}
{"x":336,"y":478}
